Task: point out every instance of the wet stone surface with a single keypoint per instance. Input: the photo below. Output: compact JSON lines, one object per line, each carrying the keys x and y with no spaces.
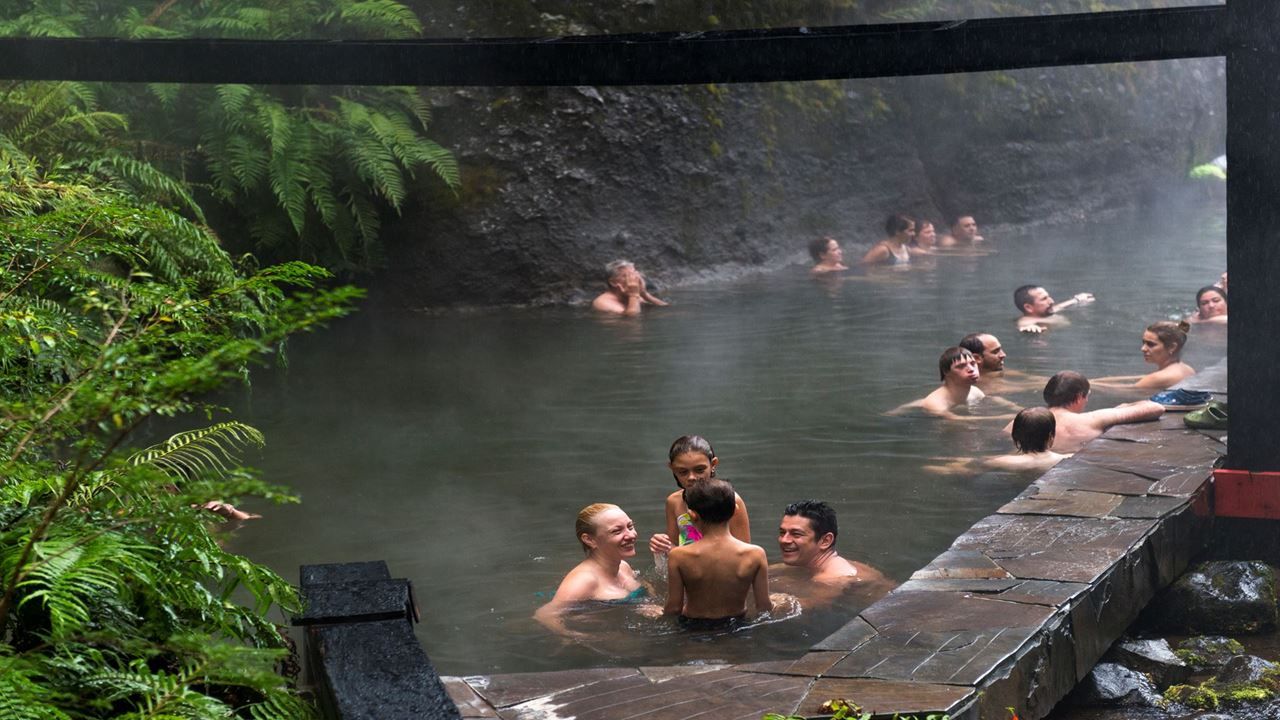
{"x":1219,"y":597}
{"x":1013,"y":614}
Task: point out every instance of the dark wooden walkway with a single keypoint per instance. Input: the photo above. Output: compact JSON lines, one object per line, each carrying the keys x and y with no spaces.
{"x":1014,"y":614}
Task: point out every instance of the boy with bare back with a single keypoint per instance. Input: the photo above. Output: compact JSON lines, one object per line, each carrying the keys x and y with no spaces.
{"x":709,"y":581}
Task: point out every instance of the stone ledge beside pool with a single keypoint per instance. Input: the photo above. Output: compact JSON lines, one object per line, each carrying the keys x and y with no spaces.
{"x":1014,"y":614}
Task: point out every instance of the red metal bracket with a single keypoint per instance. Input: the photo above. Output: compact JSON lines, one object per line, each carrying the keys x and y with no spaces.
{"x":1246,"y":494}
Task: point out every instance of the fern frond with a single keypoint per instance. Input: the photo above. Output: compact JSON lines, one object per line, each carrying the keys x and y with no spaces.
{"x":147,"y":181}
{"x":246,"y":164}
{"x":232,"y":100}
{"x":194,"y":452}
{"x":386,"y":18}
{"x":441,"y":161}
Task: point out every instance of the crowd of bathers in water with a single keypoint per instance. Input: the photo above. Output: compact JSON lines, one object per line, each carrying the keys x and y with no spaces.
{"x":712,"y":568}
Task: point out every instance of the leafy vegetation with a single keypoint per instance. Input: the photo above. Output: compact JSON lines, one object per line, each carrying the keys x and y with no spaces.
{"x":116,"y":599}
{"x":307,"y":172}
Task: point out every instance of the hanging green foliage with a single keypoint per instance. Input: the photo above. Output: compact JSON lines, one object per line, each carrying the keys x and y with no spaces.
{"x":116,"y":598}
{"x":307,"y":171}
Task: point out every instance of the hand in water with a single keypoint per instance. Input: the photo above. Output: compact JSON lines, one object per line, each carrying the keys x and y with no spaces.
{"x":1032,"y":328}
{"x":785,"y":605}
{"x":660,"y":544}
{"x":649,"y":610}
{"x":1084,"y":298}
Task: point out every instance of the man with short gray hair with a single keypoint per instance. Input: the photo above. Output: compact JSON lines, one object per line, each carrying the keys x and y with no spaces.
{"x":627,"y":291}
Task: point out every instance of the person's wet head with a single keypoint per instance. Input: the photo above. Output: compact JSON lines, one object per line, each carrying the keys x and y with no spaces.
{"x":605,"y":528}
{"x":691,"y":459}
{"x":1033,"y":300}
{"x":616,"y":273}
{"x":1163,"y":341}
{"x":958,"y":364}
{"x":964,"y":229}
{"x":826,"y":250}
{"x":926,"y":236}
{"x":900,"y":228}
{"x":1068,"y":390}
{"x":712,"y":501}
{"x":1033,"y":430}
{"x":987,"y":349}
{"x":1211,"y":301}
{"x":807,"y":532}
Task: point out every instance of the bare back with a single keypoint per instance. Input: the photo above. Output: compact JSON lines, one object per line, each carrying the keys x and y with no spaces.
{"x":714,"y":577}
{"x":1076,"y":429}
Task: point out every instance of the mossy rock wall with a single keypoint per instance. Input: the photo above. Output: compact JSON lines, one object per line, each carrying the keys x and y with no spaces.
{"x":701,"y":181}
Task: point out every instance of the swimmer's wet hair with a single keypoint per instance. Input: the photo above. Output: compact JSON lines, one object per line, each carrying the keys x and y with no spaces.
{"x":713,"y":499}
{"x":819,"y":246}
{"x":1210,"y":288}
{"x":1063,"y":388}
{"x":955,"y":219}
{"x":611,"y":270}
{"x":1033,"y":428}
{"x":1172,"y":335}
{"x":690,"y":443}
{"x":973,"y":343}
{"x":1022,"y":296}
{"x":819,"y":514}
{"x":586,"y":522}
{"x":950,"y":357}
{"x":896,"y":223}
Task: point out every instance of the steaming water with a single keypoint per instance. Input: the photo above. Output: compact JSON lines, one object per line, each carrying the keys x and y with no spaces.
{"x":458,"y":447}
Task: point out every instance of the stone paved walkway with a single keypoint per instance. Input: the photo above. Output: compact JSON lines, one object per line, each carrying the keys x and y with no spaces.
{"x":1012,"y":615}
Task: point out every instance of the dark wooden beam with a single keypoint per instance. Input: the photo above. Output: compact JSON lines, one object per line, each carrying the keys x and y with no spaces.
{"x":1253,"y":217}
{"x":649,"y":59}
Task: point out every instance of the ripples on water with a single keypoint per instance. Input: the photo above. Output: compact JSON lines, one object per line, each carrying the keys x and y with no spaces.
{"x":459,"y":447}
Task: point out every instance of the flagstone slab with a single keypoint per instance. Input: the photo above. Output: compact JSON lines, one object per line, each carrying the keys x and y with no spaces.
{"x":1183,"y":483}
{"x":1044,"y":592}
{"x":946,"y":612}
{"x":961,"y":564}
{"x":854,"y":633}
{"x":986,"y":586}
{"x":1078,"y":476}
{"x":513,"y":688}
{"x":663,"y":673}
{"x":721,"y":694}
{"x":1077,"y":503}
{"x":1147,"y":507}
{"x":469,"y":703}
{"x":812,"y":665}
{"x":1053,"y":548}
{"x":959,"y":657}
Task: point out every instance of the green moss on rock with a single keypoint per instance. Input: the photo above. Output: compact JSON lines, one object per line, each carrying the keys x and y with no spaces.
{"x":1192,"y":696}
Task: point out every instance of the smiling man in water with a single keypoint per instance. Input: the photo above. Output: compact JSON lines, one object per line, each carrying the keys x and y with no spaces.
{"x":807,"y":539}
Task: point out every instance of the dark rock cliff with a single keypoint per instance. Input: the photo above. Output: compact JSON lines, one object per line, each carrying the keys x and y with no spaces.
{"x":694,"y":182}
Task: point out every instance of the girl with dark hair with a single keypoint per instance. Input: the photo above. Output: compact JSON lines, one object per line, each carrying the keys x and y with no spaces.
{"x":827,"y":255}
{"x":691,"y":460}
{"x":1211,"y":306}
{"x":896,"y":248}
{"x":1162,"y":345}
